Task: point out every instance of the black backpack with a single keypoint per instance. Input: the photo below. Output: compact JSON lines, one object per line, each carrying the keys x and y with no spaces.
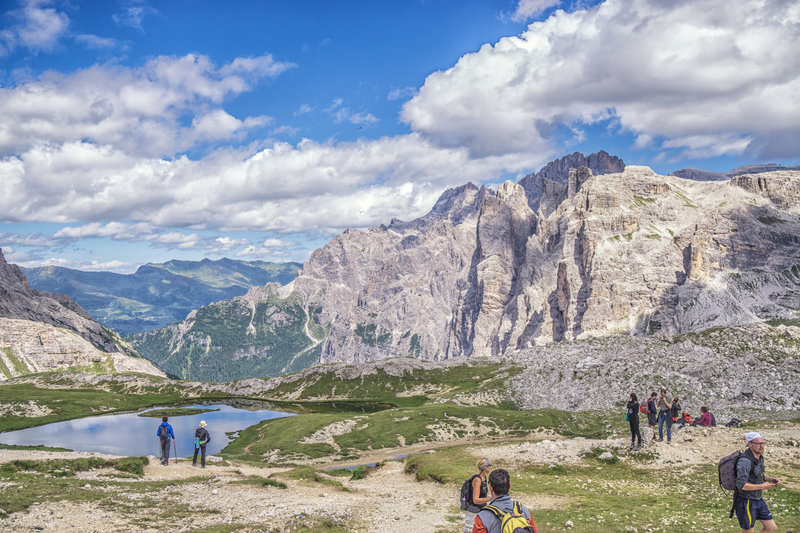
{"x":164,"y":435}
{"x":466,"y":492}
{"x":733,"y":423}
{"x":713,"y":420}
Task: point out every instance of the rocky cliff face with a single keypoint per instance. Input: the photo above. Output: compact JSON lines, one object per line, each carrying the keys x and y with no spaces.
{"x":485,"y":274}
{"x":630,"y":252}
{"x":42,"y":331}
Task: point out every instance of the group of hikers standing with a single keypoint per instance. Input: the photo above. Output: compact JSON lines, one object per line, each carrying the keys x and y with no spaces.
{"x":662,"y":412}
{"x":201,"y":439}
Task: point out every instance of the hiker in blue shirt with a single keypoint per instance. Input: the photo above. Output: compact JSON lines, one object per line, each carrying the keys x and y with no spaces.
{"x":164,"y":433}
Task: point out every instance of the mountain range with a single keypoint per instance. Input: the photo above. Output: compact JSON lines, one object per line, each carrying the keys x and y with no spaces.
{"x":585,"y":248}
{"x":158,"y":294}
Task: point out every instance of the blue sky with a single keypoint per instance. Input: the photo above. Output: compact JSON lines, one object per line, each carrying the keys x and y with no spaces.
{"x":136,"y":131}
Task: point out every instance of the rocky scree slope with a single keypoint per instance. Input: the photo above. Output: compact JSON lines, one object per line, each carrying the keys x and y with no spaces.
{"x":41,"y":331}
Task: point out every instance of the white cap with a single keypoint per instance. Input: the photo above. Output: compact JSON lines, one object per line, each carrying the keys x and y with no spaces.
{"x":203,"y":424}
{"x":753,"y":435}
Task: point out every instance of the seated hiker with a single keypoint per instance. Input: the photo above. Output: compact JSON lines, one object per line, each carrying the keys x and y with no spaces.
{"x":478,"y":493}
{"x":706,"y":418}
{"x":164,"y":433}
{"x":502,"y":508}
{"x":201,"y":438}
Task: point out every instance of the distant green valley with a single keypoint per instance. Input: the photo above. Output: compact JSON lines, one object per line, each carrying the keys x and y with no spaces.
{"x":158,"y":294}
{"x":237,"y":338}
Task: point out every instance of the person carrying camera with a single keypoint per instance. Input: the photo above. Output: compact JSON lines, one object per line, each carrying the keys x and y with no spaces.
{"x":664,"y":416}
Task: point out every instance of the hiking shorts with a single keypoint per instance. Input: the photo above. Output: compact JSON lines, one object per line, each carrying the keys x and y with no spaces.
{"x":748,"y":511}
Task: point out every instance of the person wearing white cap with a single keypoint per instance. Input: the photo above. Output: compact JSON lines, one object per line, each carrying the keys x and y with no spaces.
{"x":201,"y":438}
{"x":750,"y":481}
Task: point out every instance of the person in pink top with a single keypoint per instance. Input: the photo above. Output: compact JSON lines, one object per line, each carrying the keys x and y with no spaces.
{"x":705,"y":418}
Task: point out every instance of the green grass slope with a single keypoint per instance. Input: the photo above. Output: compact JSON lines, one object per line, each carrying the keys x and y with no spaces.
{"x":234,"y":339}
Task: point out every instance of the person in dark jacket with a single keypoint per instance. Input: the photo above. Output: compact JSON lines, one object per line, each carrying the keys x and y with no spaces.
{"x":652,"y":416}
{"x":750,"y":481}
{"x":633,"y":421}
{"x":676,"y":409}
{"x":201,"y":438}
{"x":499,"y":485}
{"x":164,"y":433}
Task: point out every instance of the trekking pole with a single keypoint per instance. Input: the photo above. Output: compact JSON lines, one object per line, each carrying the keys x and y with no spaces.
{"x":175,"y":448}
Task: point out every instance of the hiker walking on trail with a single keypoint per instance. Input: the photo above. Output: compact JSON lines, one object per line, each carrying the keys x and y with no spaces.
{"x":633,"y":420}
{"x":750,"y":482}
{"x":664,"y":416}
{"x":478,"y":494}
{"x":201,"y":438}
{"x":164,"y":433}
{"x":502,"y":509}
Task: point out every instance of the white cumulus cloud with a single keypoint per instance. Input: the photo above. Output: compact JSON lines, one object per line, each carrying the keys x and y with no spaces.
{"x":137,"y":111}
{"x":668,"y":70}
{"x":36,"y":26}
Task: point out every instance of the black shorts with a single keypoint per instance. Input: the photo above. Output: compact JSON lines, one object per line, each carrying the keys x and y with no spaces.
{"x":652,"y":419}
{"x":748,"y":511}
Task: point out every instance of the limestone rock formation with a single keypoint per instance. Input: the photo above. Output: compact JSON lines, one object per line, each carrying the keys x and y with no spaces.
{"x":41,"y":331}
{"x":630,"y":252}
{"x":485,"y":274}
{"x":557,"y":172}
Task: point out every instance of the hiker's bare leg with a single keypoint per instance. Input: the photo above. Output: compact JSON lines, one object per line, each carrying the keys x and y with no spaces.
{"x":769,"y":526}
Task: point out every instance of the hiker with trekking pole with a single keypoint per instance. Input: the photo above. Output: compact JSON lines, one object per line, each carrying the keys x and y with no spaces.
{"x":164,"y":433}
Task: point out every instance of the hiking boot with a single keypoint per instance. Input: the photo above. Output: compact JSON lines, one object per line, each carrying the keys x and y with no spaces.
{"x":631,"y":446}
{"x":661,"y":439}
{"x":638,"y":447}
{"x":669,"y":441}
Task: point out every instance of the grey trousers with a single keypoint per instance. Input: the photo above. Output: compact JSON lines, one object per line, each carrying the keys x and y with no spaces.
{"x":164,"y":451}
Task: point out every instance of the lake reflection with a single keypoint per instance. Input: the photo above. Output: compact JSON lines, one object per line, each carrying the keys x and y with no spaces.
{"x":130,"y":434}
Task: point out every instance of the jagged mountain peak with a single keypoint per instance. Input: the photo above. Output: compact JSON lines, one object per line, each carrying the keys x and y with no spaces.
{"x":557,"y":171}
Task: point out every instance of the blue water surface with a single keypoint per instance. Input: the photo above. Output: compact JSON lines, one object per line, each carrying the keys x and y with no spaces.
{"x":130,"y":434}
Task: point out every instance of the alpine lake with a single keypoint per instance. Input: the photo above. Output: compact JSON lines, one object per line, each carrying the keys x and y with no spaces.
{"x":134,"y":433}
